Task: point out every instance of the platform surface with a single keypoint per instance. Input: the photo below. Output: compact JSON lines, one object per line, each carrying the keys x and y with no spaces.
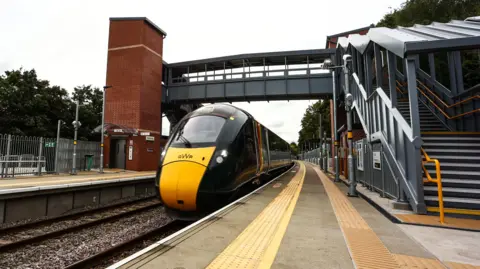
{"x":51,"y":180}
{"x":304,"y":220}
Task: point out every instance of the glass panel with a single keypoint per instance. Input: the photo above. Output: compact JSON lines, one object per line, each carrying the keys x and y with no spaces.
{"x":198,"y":130}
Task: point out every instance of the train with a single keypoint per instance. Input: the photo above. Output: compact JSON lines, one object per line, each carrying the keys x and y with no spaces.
{"x":214,"y":152}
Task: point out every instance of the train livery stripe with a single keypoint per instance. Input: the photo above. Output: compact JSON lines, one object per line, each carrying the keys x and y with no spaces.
{"x":181,"y":176}
{"x":260,"y":152}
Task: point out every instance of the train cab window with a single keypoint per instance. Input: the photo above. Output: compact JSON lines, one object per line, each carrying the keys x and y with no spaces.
{"x":198,"y":131}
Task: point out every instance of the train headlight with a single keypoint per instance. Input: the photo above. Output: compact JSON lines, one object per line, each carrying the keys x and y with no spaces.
{"x":224,"y":153}
{"x":219,"y":159}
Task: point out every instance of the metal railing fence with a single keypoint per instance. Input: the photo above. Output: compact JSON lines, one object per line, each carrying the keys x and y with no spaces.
{"x":28,"y":156}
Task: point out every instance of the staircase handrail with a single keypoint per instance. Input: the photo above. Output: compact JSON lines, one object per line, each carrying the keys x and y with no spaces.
{"x":443,"y":102}
{"x":437,"y":180}
{"x":442,"y":111}
{"x":370,"y":110}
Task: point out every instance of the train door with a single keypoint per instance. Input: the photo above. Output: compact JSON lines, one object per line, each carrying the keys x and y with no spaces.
{"x":117,"y":153}
{"x":267,"y":151}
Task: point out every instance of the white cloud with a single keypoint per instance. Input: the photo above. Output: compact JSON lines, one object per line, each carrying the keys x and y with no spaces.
{"x":66,"y":41}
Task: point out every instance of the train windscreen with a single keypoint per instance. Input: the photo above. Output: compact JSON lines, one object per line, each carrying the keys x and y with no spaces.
{"x":198,"y":131}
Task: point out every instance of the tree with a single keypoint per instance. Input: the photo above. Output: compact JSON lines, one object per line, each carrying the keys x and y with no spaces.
{"x":310,"y":122}
{"x":294,"y":148}
{"x":29,"y":106}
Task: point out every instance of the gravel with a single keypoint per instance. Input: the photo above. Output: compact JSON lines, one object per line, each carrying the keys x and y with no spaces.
{"x":76,"y":210}
{"x":75,"y":220}
{"x":67,"y":249}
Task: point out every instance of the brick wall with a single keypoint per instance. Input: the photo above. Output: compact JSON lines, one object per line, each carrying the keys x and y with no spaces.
{"x":134,"y":70}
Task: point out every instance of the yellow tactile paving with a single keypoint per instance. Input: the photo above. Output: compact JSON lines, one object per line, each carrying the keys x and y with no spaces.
{"x":455,"y":265}
{"x":434,"y":220}
{"x":257,"y":245}
{"x":366,"y":249}
{"x":407,"y":262}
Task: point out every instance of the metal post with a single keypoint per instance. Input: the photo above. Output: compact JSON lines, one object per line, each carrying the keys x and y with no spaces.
{"x":74,"y":168}
{"x":101,"y":130}
{"x":352,"y":191}
{"x":335,"y":134}
{"x":320,"y":139}
{"x":39,"y":163}
{"x":56,"y":145}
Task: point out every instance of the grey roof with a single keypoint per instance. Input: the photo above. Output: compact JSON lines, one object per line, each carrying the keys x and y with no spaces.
{"x":404,"y":41}
{"x":154,"y":26}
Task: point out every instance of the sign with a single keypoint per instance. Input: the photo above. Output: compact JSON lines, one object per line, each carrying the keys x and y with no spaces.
{"x":49,"y":144}
{"x":360,"y":154}
{"x":377,"y":160}
{"x":130,"y":153}
{"x":118,"y":130}
{"x":150,"y":138}
{"x":131,"y":142}
{"x":144,"y":133}
{"x":149,"y":150}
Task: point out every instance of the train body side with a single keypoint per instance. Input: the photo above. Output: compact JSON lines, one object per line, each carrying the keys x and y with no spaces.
{"x":203,"y":175}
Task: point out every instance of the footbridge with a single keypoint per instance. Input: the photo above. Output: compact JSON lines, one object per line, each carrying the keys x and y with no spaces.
{"x":286,"y":75}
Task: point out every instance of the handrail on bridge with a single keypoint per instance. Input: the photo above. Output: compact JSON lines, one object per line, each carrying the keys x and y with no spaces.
{"x":445,"y":104}
{"x":438,"y":181}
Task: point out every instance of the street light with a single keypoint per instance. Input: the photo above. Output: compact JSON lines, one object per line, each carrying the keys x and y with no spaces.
{"x":103,"y":126}
{"x":327,"y":64}
{"x":76,"y":124}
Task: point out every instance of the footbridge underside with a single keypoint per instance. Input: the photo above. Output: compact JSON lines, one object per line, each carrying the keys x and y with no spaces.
{"x":288,"y":75}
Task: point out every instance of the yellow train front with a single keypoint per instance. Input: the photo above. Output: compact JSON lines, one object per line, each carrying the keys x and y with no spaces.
{"x":213,"y":152}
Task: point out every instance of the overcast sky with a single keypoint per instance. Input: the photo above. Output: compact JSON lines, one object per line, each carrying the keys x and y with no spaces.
{"x":66,"y":41}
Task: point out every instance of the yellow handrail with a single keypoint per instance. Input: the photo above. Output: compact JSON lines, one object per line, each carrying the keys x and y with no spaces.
{"x":445,"y":104}
{"x":443,"y":112}
{"x":438,"y":181}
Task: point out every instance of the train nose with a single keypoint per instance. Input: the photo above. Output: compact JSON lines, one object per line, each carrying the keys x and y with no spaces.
{"x":179,"y":184}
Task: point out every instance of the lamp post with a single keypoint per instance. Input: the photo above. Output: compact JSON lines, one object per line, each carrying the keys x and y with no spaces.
{"x":327,"y":64}
{"x":76,"y":125}
{"x":103,"y":126}
{"x":352,"y":191}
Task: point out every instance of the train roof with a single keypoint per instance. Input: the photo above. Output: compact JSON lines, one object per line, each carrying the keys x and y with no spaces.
{"x":223,"y":110}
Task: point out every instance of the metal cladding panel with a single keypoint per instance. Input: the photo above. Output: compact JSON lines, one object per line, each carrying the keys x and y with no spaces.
{"x":177,"y":93}
{"x":321,"y":85}
{"x":276,"y":87}
{"x":234,"y":89}
{"x":215,"y":90}
{"x":254,"y":88}
{"x":297,"y":86}
{"x":196,"y":92}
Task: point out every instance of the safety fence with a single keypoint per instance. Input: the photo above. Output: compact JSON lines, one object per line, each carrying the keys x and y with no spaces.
{"x":28,"y":156}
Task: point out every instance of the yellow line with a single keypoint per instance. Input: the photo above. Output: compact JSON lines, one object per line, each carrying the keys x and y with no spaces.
{"x":456,"y":211}
{"x":258,"y":244}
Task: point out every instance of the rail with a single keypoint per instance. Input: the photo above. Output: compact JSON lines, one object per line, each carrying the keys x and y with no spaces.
{"x":442,"y":111}
{"x":401,"y":85}
{"x":445,"y":104}
{"x":437,"y":180}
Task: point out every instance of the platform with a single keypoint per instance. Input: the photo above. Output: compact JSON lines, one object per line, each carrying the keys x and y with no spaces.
{"x":64,"y":180}
{"x":304,"y":220}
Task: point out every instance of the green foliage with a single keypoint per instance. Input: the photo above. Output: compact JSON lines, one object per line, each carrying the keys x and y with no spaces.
{"x":311,"y":122}
{"x":294,"y":148}
{"x":414,"y":12}
{"x":32,"y":107}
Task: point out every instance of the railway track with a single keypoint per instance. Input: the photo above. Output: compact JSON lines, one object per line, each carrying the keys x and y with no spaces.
{"x":128,"y":247}
{"x":19,"y":236}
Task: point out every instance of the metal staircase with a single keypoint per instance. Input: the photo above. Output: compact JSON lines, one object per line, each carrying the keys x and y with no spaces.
{"x":459,"y":156}
{"x":428,"y":121}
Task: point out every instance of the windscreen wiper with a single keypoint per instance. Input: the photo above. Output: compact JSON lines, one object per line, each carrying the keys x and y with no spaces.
{"x":185,"y":141}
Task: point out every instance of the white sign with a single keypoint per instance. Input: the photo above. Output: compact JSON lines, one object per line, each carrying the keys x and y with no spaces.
{"x":150,"y":138}
{"x":117,"y":130}
{"x":377,"y":160}
{"x":131,"y":142}
{"x":360,"y":158}
{"x":130,"y":153}
{"x":144,"y":133}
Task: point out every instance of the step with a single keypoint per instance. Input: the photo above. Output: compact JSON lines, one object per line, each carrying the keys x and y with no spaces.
{"x":456,"y":138}
{"x":456,"y":211}
{"x":455,"y":159}
{"x":449,"y":164}
{"x":452,"y":189}
{"x":471,"y":145}
{"x":454,"y":202}
{"x":453,"y":192}
{"x":455,"y":173}
{"x":457,"y":183}
{"x":463,"y":151}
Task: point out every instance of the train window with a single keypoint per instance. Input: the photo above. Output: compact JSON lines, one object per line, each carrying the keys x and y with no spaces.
{"x":198,"y":130}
